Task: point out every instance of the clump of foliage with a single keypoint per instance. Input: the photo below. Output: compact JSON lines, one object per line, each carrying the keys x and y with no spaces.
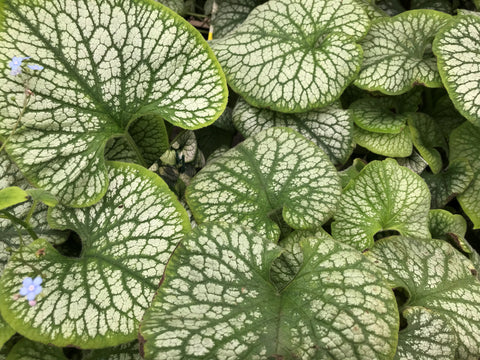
{"x":306,"y":185}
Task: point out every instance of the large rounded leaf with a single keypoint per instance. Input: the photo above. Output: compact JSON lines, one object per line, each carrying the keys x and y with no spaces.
{"x":397,"y":52}
{"x":392,"y":145}
{"x":272,"y":177}
{"x":106,"y":63}
{"x":385,"y":196}
{"x":97,"y":300}
{"x":437,"y":277}
{"x":217,"y":302}
{"x":465,"y":144}
{"x":457,"y":47}
{"x":302,"y":60}
{"x":330,"y":128}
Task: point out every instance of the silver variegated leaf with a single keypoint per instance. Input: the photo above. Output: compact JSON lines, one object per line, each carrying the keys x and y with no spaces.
{"x":330,"y":127}
{"x":272,"y":178}
{"x":385,"y":196}
{"x":97,"y":300}
{"x":437,"y":277}
{"x":457,"y":47}
{"x":301,"y":61}
{"x":398,"y":52}
{"x":106,"y":63}
{"x":217,"y":302}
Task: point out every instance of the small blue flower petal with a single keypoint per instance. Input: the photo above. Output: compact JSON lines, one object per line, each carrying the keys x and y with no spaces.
{"x":37,"y":290}
{"x":30,"y":296}
{"x":37,"y":281}
{"x":24,"y":291}
{"x":27,"y":281}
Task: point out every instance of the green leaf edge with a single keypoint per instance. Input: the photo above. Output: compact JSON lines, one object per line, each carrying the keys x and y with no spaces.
{"x":443,"y":74}
{"x":12,"y":195}
{"x":439,"y":14}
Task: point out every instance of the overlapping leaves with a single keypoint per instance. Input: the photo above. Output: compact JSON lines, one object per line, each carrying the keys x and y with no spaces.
{"x":217,"y":301}
{"x":96,"y":300}
{"x":437,"y":277}
{"x":273,"y":178}
{"x":302,"y":60}
{"x":106,"y":63}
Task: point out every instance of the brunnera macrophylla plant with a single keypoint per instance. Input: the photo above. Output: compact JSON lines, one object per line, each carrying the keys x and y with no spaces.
{"x":326,"y":207}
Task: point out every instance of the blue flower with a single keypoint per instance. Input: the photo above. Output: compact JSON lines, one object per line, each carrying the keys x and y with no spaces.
{"x":35,"y":67}
{"x":31,"y":288}
{"x":16,"y":64}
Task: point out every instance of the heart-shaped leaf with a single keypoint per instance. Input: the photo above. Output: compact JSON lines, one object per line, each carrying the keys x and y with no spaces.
{"x":446,"y":185}
{"x":427,"y":137}
{"x":330,"y":128}
{"x":465,"y":143}
{"x":301,"y":61}
{"x":437,"y":277}
{"x":97,"y":300}
{"x":230,"y":14}
{"x":392,"y":145}
{"x":428,"y":336}
{"x":106,"y":63}
{"x":385,"y":196}
{"x":273,"y":177}
{"x":217,"y":301}
{"x":397,"y":52}
{"x":457,"y":48}
{"x":29,"y":350}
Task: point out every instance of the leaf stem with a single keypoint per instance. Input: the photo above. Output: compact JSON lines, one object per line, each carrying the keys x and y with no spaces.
{"x":18,"y":221}
{"x":30,"y":213}
{"x":135,"y":149}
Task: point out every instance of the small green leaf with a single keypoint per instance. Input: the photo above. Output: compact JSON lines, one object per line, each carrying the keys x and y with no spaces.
{"x":330,"y":128}
{"x":349,"y":175}
{"x":441,"y":223}
{"x":465,"y":143}
{"x":397,"y":52}
{"x":146,"y":141}
{"x":217,"y":302}
{"x":128,"y":351}
{"x":437,"y":277}
{"x":426,"y":137}
{"x":29,"y":350}
{"x":428,"y":336}
{"x":385,"y":196}
{"x":43,"y":196}
{"x":385,"y":114}
{"x":97,"y":300}
{"x":458,"y":51}
{"x":301,"y":61}
{"x":449,"y":183}
{"x":230,"y":14}
{"x":273,"y":177}
{"x":447,"y":118}
{"x":99,"y":76}
{"x":392,"y":145}
{"x":12,"y":195}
